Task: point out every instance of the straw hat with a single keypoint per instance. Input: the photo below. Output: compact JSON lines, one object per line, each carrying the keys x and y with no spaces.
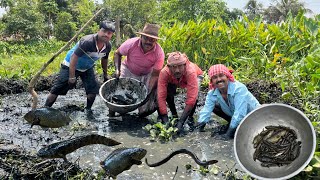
{"x":150,"y":30}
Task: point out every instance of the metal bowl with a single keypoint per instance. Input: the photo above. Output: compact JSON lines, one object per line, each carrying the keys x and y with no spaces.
{"x":121,"y":85}
{"x":255,"y":122}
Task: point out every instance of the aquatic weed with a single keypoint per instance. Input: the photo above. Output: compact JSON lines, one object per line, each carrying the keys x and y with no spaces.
{"x":160,"y":131}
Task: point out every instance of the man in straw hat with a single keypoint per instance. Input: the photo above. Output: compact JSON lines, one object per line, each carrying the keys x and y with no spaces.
{"x":179,"y":72}
{"x":144,"y":60}
{"x":228,"y":99}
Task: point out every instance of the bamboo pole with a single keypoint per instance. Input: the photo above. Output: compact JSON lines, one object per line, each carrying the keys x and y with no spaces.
{"x":36,"y":77}
{"x":118,"y":38}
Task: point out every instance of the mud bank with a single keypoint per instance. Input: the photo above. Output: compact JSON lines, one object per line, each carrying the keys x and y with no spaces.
{"x":20,"y":161}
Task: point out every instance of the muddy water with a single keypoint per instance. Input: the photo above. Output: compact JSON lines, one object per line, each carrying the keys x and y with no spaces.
{"x":127,"y":129}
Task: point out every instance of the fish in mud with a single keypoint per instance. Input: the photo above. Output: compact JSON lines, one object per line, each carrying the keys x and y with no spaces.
{"x":122,"y":159}
{"x":47,"y":117}
{"x":62,"y":148}
{"x":182,"y":151}
{"x":122,"y":100}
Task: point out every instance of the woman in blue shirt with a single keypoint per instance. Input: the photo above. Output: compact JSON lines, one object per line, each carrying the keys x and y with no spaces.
{"x":228,"y":96}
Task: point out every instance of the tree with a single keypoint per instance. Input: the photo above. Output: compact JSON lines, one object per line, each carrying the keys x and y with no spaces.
{"x":185,"y":10}
{"x":50,"y":9}
{"x":66,"y":28}
{"x":6,"y":3}
{"x":24,"y":20}
{"x":133,"y":12}
{"x":232,"y":15}
{"x":253,"y":9}
{"x":279,"y":10}
{"x":83,"y":10}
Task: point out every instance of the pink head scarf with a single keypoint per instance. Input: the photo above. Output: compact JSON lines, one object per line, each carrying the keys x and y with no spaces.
{"x":217,"y":69}
{"x":176,"y":58}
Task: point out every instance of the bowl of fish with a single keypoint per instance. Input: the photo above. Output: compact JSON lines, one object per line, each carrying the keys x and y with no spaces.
{"x":275,"y":141}
{"x":123,"y":95}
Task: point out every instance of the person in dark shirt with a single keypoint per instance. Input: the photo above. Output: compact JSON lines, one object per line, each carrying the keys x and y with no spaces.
{"x":80,"y":61}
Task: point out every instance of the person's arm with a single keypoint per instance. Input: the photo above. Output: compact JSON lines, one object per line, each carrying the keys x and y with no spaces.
{"x":162,"y":85}
{"x":104,"y":65}
{"x":205,"y":113}
{"x":72,"y":70}
{"x":154,"y":79}
{"x":240,"y":111}
{"x":157,"y":67}
{"x":240,"y":107}
{"x":192,"y":96}
{"x":117,"y":62}
{"x":162,"y":92}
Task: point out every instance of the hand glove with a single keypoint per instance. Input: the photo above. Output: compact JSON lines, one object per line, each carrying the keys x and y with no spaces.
{"x":164,"y":118}
{"x":180,"y":124}
{"x":72,"y":83}
{"x":229,"y":134}
{"x":200,"y":126}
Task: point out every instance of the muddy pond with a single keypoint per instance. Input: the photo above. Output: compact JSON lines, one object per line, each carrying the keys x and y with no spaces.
{"x":14,"y":130}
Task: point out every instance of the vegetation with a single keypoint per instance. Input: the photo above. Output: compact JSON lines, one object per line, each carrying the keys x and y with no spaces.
{"x":162,"y":132}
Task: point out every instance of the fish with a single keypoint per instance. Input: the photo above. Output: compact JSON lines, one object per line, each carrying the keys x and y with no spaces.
{"x":47,"y":117}
{"x":126,"y":99}
{"x":182,"y":151}
{"x":276,"y":146}
{"x":122,"y":159}
{"x":62,"y":148}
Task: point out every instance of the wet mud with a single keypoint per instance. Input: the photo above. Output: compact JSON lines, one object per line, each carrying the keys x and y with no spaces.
{"x":20,"y":161}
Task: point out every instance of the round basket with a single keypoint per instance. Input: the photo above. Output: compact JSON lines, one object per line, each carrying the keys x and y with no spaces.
{"x":122,"y":86}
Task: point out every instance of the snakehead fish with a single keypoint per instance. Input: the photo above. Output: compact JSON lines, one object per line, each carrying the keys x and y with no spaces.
{"x":182,"y":151}
{"x":122,"y":159}
{"x":62,"y":148}
{"x":47,"y":117}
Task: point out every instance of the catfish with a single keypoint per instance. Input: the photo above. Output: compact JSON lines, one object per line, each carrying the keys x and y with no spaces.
{"x":122,"y":159}
{"x":62,"y":148}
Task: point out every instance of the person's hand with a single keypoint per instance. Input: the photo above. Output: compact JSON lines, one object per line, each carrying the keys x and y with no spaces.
{"x":72,"y":82}
{"x":228,"y":135}
{"x":117,"y":74}
{"x":180,"y":126}
{"x":200,"y":126}
{"x":105,"y":78}
{"x":164,"y":118}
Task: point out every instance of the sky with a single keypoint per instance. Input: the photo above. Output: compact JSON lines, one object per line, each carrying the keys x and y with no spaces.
{"x":313,"y":5}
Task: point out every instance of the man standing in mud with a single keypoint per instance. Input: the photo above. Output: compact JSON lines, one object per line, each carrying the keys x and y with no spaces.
{"x":144,"y":60}
{"x":179,"y":72}
{"x":228,"y":99}
{"x":80,"y":61}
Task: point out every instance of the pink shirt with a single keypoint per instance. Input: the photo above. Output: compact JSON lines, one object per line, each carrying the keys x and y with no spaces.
{"x":189,"y":81}
{"x":138,"y":62}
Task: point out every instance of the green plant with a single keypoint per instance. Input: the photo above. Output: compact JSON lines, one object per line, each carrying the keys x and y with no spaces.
{"x":162,"y":132}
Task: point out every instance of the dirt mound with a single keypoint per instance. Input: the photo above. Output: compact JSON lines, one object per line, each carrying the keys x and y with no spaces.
{"x":265,"y":92}
{"x":270,"y":92}
{"x":12,"y":86}
{"x":15,"y":86}
{"x":15,"y":163}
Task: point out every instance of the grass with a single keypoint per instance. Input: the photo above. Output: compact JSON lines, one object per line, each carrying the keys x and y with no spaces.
{"x":20,"y":66}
